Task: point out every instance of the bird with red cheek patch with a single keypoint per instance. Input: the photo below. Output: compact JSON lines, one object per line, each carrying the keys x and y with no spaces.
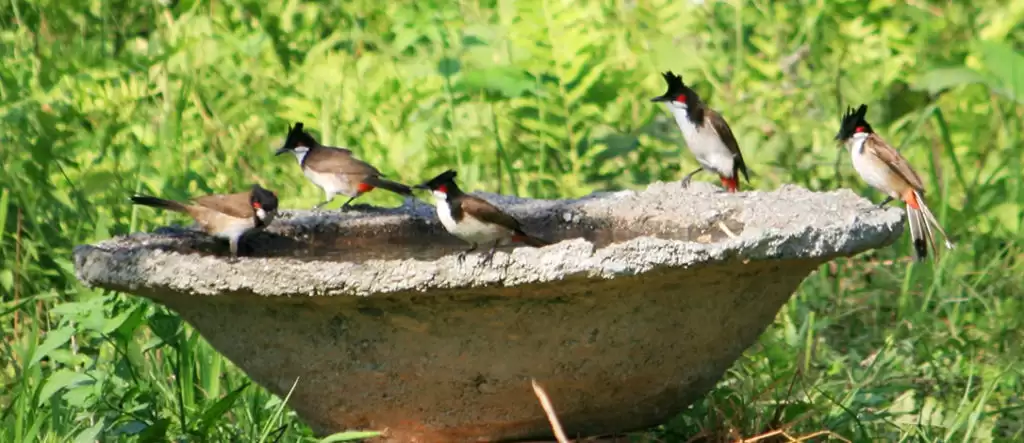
{"x":882,"y":167}
{"x":336,"y":170}
{"x":706,"y":133}
{"x":227,"y":216}
{"x":473,"y":219}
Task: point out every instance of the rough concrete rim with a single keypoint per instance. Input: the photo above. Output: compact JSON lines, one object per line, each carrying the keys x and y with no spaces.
{"x":788,"y":223}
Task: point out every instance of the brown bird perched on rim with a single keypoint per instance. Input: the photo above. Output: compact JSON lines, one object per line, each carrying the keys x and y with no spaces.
{"x":334,"y":169}
{"x":227,"y":216}
{"x":706,"y":133}
{"x":473,"y":219}
{"x":882,"y":167}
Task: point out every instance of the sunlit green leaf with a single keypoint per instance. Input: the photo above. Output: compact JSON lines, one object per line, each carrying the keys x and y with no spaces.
{"x":1007,"y":65}
{"x":54,"y":339}
{"x":214,"y":412}
{"x":90,"y":434}
{"x":506,"y":81}
{"x":61,"y":379}
{"x":937,"y":80}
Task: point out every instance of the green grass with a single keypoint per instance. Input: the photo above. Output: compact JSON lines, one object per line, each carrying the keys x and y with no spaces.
{"x":541,"y":98}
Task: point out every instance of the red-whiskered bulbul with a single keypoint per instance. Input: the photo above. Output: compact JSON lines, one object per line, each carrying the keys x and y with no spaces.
{"x":224,"y":215}
{"x":882,"y":167}
{"x":473,"y":219}
{"x":706,"y":133}
{"x":334,"y":169}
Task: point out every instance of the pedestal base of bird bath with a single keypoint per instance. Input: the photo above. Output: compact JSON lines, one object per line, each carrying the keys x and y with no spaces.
{"x":637,"y":312}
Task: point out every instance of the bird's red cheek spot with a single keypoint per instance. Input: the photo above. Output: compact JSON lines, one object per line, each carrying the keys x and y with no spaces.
{"x":859,"y":129}
{"x":256,"y":205}
{"x":363,"y":187}
{"x":443,"y":188}
{"x":681,"y":98}
{"x":518,"y":238}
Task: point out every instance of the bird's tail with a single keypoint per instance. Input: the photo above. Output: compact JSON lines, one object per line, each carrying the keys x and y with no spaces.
{"x":922,"y":222}
{"x":740,"y":166}
{"x":383,"y":183}
{"x":157,"y":202}
{"x":529,"y":239}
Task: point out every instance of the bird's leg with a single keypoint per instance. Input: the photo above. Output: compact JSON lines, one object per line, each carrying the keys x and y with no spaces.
{"x":462,"y":255}
{"x":686,"y":180}
{"x":345,"y":206}
{"x":490,"y":254}
{"x":325,"y":202}
{"x":233,"y":245}
{"x":885,"y":202}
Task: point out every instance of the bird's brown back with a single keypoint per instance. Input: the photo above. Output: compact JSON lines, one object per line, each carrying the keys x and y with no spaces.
{"x":236,"y":205}
{"x":874,"y":145}
{"x":331,"y":160}
{"x":487,"y":212}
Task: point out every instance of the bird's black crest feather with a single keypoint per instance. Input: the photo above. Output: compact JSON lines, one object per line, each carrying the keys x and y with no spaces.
{"x":446,"y":177}
{"x":851,"y":120}
{"x":297,"y":136}
{"x":675,"y":84}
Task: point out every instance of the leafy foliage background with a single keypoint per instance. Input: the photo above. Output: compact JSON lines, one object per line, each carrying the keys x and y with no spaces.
{"x":542,"y":98}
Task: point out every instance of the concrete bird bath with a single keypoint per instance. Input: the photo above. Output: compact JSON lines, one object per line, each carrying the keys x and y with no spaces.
{"x":641,"y":308}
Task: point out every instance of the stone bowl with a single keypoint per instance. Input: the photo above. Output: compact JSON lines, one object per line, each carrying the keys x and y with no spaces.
{"x":637,"y":311}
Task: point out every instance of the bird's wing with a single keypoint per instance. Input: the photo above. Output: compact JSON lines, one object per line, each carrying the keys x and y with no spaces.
{"x":874,"y":145}
{"x":327,"y":159}
{"x":485,"y":211}
{"x":722,"y":129}
{"x":236,"y":205}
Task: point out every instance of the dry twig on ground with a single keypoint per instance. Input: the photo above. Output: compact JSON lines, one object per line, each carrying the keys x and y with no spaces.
{"x":545,"y":403}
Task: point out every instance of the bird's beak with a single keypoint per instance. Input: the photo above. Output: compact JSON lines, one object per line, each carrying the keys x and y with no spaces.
{"x":421,"y":186}
{"x":280,"y":151}
{"x":660,"y":98}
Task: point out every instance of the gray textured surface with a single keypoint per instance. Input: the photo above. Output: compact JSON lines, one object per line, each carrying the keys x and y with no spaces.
{"x":791,"y":222}
{"x":635,"y":314}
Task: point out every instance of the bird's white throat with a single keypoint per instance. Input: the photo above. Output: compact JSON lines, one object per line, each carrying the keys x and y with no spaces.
{"x":682,"y":117}
{"x":300,"y":153}
{"x":469,"y":228}
{"x":856,"y":143}
{"x":444,"y":211}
